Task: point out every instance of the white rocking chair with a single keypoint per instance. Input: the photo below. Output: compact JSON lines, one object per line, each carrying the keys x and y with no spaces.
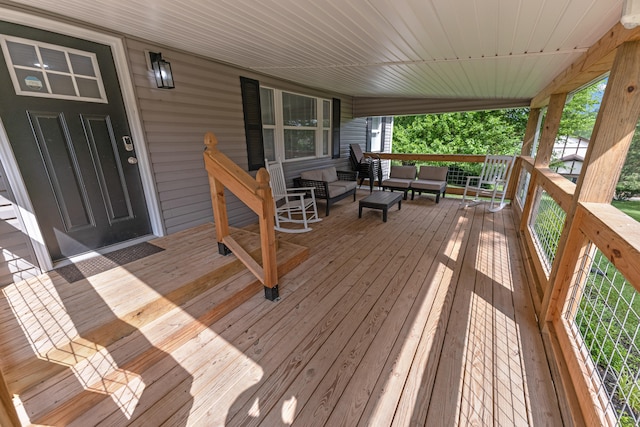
{"x":296,"y":206}
{"x":492,"y":182}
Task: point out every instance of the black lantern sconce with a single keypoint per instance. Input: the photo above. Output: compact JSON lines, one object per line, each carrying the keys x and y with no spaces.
{"x":161,"y":71}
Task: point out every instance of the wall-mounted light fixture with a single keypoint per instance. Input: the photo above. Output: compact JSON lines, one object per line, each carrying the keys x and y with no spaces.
{"x":630,"y":14}
{"x":161,"y":71}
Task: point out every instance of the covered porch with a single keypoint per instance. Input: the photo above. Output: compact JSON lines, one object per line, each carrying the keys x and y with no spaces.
{"x":425,"y":319}
{"x":436,"y":317}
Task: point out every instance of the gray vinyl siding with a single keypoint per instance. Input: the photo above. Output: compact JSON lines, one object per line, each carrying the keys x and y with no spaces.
{"x":18,"y":260}
{"x":207,"y":97}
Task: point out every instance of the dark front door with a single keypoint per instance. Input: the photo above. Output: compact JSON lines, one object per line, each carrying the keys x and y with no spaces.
{"x":62,"y":108}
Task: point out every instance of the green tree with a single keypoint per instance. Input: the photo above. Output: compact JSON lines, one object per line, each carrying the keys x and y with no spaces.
{"x":629,"y":182}
{"x":579,"y":114}
{"x":476,"y":132}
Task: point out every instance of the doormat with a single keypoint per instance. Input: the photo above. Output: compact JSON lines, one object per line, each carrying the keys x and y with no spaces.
{"x":90,"y":267}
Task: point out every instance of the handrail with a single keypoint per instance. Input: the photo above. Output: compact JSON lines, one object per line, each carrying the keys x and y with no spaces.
{"x":256,"y":194}
{"x":616,"y":235}
{"x":462,"y":158}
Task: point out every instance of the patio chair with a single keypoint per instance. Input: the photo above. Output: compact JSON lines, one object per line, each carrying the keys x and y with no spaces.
{"x":365,"y":166}
{"x":431,"y":179}
{"x":492,"y":182}
{"x":296,"y":206}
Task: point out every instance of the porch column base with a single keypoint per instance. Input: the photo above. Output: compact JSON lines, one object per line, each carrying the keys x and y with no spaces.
{"x":271,"y":293}
{"x":223,"y":249}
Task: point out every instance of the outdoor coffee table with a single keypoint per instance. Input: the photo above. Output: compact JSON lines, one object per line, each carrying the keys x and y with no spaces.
{"x":380,"y":200}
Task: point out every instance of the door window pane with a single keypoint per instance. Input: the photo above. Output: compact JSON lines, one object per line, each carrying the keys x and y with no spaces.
{"x":31,"y":81}
{"x":82,"y":65}
{"x":54,"y":60}
{"x":61,"y":85}
{"x":22,"y":54}
{"x":88,"y":88}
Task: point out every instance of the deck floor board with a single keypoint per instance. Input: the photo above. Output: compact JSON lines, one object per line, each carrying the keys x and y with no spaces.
{"x":426,"y":319}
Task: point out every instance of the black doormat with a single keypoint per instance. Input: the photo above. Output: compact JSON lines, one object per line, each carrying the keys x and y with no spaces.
{"x":89,"y":267}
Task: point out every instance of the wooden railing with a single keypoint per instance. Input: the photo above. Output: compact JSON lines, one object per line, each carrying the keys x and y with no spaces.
{"x":256,"y":194}
{"x":617,"y":236}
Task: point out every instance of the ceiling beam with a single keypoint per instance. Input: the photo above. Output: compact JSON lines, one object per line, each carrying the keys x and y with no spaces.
{"x":594,"y":63}
{"x":387,"y":106}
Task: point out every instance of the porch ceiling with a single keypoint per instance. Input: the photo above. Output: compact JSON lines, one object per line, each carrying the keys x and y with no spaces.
{"x":496,"y":49}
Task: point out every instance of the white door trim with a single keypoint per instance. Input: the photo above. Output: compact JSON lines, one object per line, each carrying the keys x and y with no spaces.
{"x":135,"y":124}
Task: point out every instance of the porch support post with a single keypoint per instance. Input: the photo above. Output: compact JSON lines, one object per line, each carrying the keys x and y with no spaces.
{"x":545,"y":148}
{"x":533,"y":123}
{"x":606,"y":154}
{"x":8,"y":415}
{"x":603,"y":162}
{"x":218,"y":202}
{"x":550,"y":129}
{"x":531,"y":131}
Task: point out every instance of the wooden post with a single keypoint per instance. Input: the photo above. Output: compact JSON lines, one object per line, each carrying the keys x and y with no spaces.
{"x":268,"y":237}
{"x":603,"y":162}
{"x":545,"y":148}
{"x":8,"y":415}
{"x":550,"y":129}
{"x":533,"y":123}
{"x":528,"y":200}
{"x":217,"y":199}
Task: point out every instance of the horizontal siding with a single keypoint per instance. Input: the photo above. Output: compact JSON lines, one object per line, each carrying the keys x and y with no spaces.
{"x":206,"y":98}
{"x":17,"y":260}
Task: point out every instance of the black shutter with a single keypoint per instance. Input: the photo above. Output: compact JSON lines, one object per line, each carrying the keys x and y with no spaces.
{"x":252,"y":122}
{"x":335,"y":131}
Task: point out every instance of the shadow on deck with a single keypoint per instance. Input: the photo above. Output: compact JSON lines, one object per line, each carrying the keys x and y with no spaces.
{"x":425,"y":319}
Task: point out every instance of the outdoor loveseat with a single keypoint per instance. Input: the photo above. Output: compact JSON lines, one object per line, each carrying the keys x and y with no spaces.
{"x":330,"y":185}
{"x":431,"y":179}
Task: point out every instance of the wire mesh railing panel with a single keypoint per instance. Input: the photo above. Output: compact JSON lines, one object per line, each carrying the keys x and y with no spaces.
{"x":523,"y":187}
{"x":546,"y":224}
{"x":604,"y":310}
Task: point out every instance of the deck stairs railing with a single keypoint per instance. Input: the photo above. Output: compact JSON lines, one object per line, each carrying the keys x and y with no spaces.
{"x":256,"y":194}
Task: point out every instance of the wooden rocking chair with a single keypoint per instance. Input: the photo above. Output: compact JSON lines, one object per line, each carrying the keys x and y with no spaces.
{"x":297,"y":206}
{"x":492,"y":182}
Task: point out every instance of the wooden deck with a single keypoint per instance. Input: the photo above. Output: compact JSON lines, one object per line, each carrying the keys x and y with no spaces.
{"x":423,"y":320}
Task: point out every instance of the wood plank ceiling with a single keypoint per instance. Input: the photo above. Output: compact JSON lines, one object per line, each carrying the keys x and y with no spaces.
{"x":497,"y":49}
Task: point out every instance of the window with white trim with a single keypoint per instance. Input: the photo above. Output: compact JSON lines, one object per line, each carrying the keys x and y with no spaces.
{"x":376,"y":134}
{"x":294,"y":126}
{"x":51,"y":71}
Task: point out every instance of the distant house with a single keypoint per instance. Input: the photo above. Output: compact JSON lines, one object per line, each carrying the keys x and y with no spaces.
{"x":568,"y":156}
